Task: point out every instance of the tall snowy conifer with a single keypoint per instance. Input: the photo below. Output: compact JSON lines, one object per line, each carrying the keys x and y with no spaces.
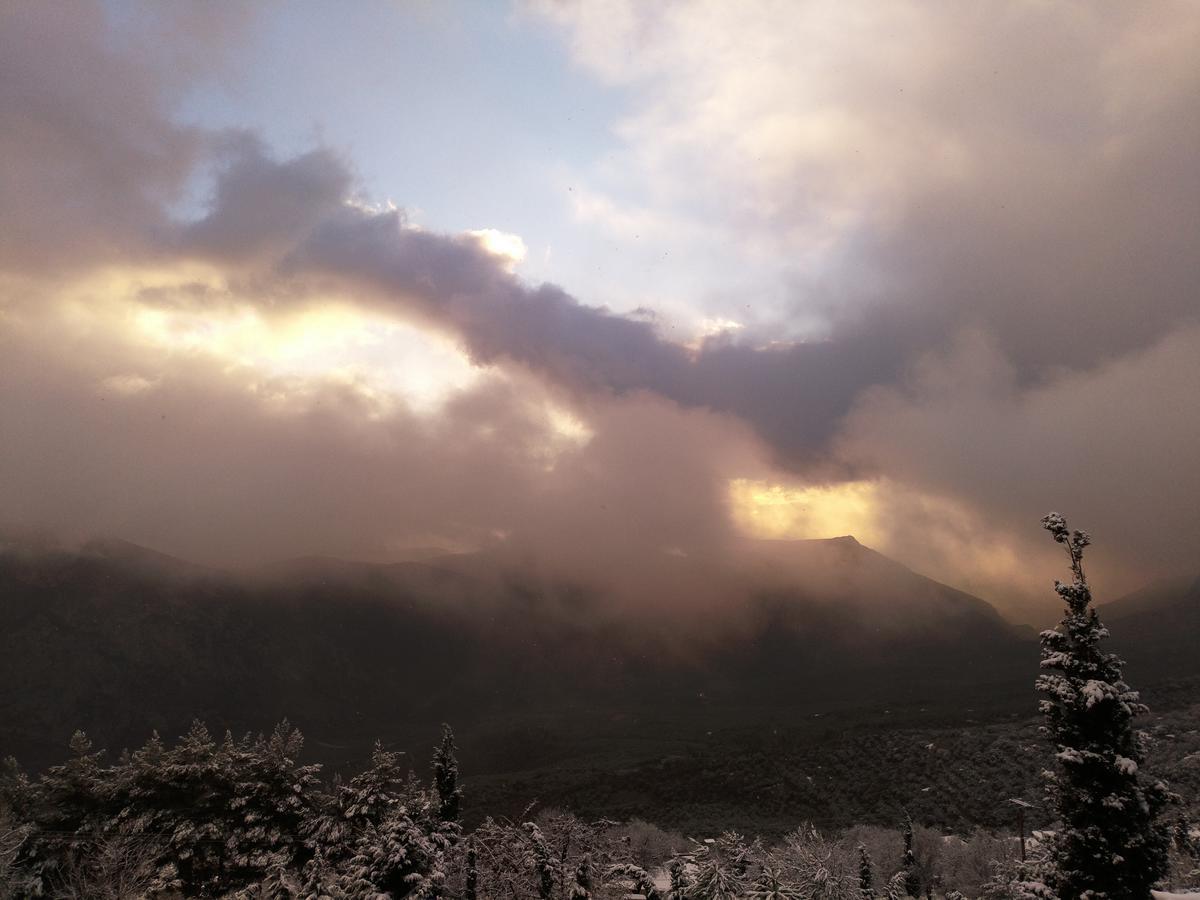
{"x":445,"y":777}
{"x":1109,"y":844}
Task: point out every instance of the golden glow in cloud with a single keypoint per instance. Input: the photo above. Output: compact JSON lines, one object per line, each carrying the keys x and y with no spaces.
{"x":510,"y":249}
{"x":936,"y":536}
{"x":771,"y":511}
{"x":321,"y":338}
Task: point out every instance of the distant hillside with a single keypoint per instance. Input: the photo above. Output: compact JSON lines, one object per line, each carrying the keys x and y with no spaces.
{"x":1157,"y":629}
{"x":120,"y":640}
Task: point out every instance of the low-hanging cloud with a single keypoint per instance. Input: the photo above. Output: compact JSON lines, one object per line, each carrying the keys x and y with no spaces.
{"x":1034,"y":186}
{"x":1114,"y":445}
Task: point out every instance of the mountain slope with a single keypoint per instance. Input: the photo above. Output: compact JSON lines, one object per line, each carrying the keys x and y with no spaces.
{"x":120,"y":640}
{"x":1157,"y":629}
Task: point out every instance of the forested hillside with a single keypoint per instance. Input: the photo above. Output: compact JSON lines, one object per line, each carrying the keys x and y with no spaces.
{"x":118,"y":640}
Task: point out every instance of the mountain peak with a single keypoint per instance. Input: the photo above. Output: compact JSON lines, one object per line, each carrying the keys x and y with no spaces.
{"x":118,"y":550}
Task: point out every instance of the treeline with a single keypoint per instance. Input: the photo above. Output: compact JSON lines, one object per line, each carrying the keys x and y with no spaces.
{"x":240,"y":818}
{"x":949,"y":778}
{"x":230,"y":818}
{"x":247,"y":819}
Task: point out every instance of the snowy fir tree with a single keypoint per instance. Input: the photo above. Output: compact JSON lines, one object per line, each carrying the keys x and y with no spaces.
{"x":635,"y":878}
{"x":677,"y":873}
{"x":445,"y":777}
{"x":714,"y":879}
{"x":912,"y":878}
{"x":237,"y":819}
{"x":541,"y":860}
{"x":866,"y":876}
{"x":772,"y":885}
{"x":736,"y":852}
{"x":895,"y":888}
{"x":471,"y":880}
{"x":582,"y":888}
{"x":1110,"y":844}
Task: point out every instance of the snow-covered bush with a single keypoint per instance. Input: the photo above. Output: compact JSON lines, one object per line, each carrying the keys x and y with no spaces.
{"x":554,"y":854}
{"x":240,"y":818}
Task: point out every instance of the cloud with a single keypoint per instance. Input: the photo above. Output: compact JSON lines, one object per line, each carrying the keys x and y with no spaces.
{"x":93,"y":159}
{"x":231,"y":464}
{"x":791,"y":393}
{"x":509,"y":248}
{"x":912,"y":169}
{"x":913,"y":172}
{"x":1114,"y":446}
{"x":909,"y":173}
{"x":261,"y":207}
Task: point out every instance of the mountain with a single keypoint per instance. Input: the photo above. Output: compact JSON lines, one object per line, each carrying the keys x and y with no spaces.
{"x":1157,"y":629}
{"x":119,"y":640}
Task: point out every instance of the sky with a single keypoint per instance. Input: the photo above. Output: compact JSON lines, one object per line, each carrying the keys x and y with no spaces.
{"x":606,"y":284}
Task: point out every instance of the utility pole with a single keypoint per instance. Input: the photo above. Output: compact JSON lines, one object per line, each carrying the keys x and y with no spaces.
{"x":1021,"y":806}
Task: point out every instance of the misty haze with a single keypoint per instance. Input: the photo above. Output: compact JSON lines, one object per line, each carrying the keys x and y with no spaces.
{"x":597,"y":448}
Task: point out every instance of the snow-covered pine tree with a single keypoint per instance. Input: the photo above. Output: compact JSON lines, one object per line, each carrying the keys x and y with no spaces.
{"x":895,"y":889}
{"x":541,"y":860}
{"x":817,"y":866}
{"x":445,"y":777}
{"x":582,"y":888}
{"x":677,"y":888}
{"x":271,"y":799}
{"x":1182,"y":835}
{"x":714,"y":880}
{"x":1110,"y":844}
{"x":770,"y":884}
{"x":912,"y":878}
{"x":471,"y":889}
{"x":74,"y":795}
{"x":737,"y":853}
{"x":66,"y":808}
{"x":634,"y":877}
{"x":866,"y":876}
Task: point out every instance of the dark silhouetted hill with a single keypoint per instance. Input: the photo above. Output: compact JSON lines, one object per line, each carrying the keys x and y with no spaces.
{"x":120,"y":640}
{"x":1157,"y":630}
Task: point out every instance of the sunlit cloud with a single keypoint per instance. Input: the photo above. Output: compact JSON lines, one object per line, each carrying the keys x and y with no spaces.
{"x":936,"y":535}
{"x":510,"y":248}
{"x":568,"y":425}
{"x":796,"y":208}
{"x":194,"y":311}
{"x":127,"y":385}
{"x":775,"y":511}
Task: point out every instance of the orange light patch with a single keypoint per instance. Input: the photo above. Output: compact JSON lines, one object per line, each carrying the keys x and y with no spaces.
{"x":770,"y":511}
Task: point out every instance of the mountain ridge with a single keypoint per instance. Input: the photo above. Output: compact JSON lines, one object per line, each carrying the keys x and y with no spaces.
{"x":119,"y":640}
